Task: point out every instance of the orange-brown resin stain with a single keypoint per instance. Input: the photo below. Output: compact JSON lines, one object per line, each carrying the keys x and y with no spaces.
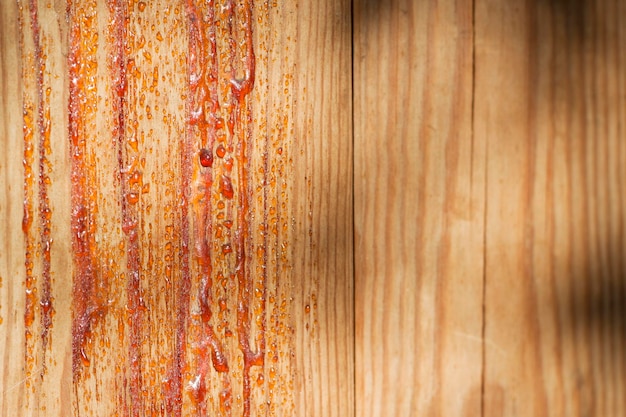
{"x":128,"y":160}
{"x":45,"y":213}
{"x":27,"y":220}
{"x":205,"y":126}
{"x":241,"y":88}
{"x":36,"y":162}
{"x":176,"y":233}
{"x":202,"y":108}
{"x":81,"y":105}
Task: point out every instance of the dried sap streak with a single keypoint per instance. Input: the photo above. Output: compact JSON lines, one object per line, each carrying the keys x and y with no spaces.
{"x":128,"y":163}
{"x":44,"y":210}
{"x":27,"y":220}
{"x":203,"y":109}
{"x":242,"y":127}
{"x":81,"y":66}
{"x":174,"y":386}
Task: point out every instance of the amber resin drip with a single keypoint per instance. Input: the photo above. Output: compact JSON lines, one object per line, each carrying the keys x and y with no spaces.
{"x":27,"y":220}
{"x":44,"y":210}
{"x":240,"y":88}
{"x":83,"y":304}
{"x":201,"y":181}
{"x":174,"y":382}
{"x":128,"y":170}
{"x":203,"y":109}
{"x":173,"y":206}
{"x":82,"y":108}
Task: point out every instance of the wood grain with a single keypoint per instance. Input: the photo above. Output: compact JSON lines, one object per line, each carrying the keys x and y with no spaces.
{"x":485,"y":274}
{"x":177,"y":286}
{"x":554,"y":338}
{"x":11,"y":210}
{"x":323,"y":198}
{"x":419,"y":211}
{"x":488,"y":210}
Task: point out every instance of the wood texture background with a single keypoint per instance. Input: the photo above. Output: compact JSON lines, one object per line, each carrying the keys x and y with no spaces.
{"x":476,"y":146}
{"x":489,"y":215}
{"x":419,"y":212}
{"x":554,"y":260}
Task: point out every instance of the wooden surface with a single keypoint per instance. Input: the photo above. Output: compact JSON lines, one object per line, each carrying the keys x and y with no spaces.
{"x":479,"y":144}
{"x":11,"y":210}
{"x":419,"y":212}
{"x":135,"y":277}
{"x":555,"y":276}
{"x":489,"y":217}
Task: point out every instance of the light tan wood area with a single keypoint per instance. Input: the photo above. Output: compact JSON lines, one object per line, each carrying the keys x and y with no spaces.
{"x":489,"y":217}
{"x":313,"y":208}
{"x":555,"y":147}
{"x":419,"y":212}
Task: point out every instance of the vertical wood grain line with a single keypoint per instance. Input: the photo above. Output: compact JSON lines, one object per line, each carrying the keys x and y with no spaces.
{"x":11,"y":262}
{"x":353,"y":214}
{"x":531,"y":195}
{"x":483,"y":293}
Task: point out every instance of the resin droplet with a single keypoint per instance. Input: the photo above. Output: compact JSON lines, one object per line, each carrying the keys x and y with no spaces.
{"x":220,"y":151}
{"x":132,"y":198}
{"x":226,"y":187}
{"x":228,"y":163}
{"x":206,"y":158}
{"x":219,"y":361}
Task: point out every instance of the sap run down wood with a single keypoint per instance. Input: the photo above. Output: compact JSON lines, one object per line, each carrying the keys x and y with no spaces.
{"x":171,"y":259}
{"x":180,"y":238}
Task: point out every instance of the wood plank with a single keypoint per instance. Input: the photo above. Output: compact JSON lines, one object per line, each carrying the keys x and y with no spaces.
{"x":549,"y":97}
{"x":419,"y":214}
{"x":322,"y":277}
{"x":11,"y":209}
{"x":489,"y":215}
{"x":187,"y":248}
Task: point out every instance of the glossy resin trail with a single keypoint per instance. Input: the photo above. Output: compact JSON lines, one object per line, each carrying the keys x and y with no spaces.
{"x":177,"y":219}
